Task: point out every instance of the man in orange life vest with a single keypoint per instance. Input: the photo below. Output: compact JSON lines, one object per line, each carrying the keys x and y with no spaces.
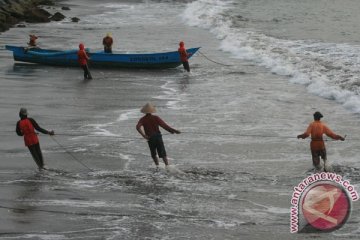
{"x":152,"y":134}
{"x":108,"y":42}
{"x":83,"y":61}
{"x":316,"y":129}
{"x":184,"y":56}
{"x":26,"y":127}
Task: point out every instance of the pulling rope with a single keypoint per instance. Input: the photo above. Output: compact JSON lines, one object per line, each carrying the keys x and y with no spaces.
{"x":18,"y":209}
{"x":253,"y":135}
{"x":227,"y":65}
{"x":73,"y":157}
{"x":129,"y":139}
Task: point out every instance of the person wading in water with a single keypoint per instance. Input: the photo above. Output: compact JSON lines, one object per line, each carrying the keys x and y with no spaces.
{"x":184,"y":56}
{"x":317,"y":129}
{"x":26,"y":127}
{"x":83,"y":61}
{"x":152,"y":134}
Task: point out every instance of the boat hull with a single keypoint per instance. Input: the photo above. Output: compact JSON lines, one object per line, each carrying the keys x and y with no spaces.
{"x":98,"y":59}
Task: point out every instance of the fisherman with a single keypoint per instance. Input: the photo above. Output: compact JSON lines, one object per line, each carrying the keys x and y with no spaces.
{"x":83,"y":60}
{"x":152,"y":133}
{"x":26,"y":127}
{"x":316,"y":129}
{"x":108,"y":42}
{"x":32,"y":41}
{"x":184,"y":56}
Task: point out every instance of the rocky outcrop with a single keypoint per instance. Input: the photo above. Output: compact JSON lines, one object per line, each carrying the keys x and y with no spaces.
{"x":57,"y":17}
{"x":15,"y":11}
{"x":75,"y":19}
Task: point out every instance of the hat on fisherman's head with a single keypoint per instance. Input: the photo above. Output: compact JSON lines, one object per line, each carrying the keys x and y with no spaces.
{"x":23,"y":111}
{"x":108,"y":34}
{"x":318,"y":115}
{"x":148,"y":108}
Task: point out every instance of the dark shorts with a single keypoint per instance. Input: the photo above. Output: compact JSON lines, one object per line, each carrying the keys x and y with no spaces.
{"x":156,"y":144}
{"x":316,"y":154}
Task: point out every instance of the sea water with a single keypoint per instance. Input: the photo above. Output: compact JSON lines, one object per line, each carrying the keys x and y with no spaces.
{"x":237,"y":160}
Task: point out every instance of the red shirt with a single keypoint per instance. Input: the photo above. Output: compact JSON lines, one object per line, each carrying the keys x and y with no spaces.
{"x":82,"y":57}
{"x":151,"y":125}
{"x":183,"y":54}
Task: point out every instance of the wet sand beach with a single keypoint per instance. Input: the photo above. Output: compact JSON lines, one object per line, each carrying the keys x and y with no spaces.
{"x":234,"y":166}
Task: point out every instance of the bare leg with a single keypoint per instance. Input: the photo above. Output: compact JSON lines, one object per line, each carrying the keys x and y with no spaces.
{"x":165,"y":160}
{"x":37,"y":155}
{"x":156,"y":160}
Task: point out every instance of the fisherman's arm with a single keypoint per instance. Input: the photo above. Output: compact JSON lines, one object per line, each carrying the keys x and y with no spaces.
{"x":86,"y":55}
{"x":18,"y":131}
{"x":331,"y":134}
{"x":306,"y":133}
{"x":167,"y":127}
{"x":38,"y":128}
{"x":139,"y":129}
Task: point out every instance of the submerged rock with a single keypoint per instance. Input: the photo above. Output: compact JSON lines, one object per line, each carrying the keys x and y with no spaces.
{"x":57,"y":17}
{"x":75,"y":19}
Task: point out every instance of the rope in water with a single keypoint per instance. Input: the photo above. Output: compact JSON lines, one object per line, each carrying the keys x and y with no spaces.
{"x":254,"y":135}
{"x":65,"y":212}
{"x":203,"y":133}
{"x":73,"y":157}
{"x":227,"y":65}
{"x":197,"y":133}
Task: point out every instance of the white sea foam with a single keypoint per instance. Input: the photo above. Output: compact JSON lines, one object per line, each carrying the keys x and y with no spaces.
{"x":171,"y":94}
{"x":101,"y":129}
{"x":44,"y":236}
{"x":128,"y":114}
{"x":226,"y":225}
{"x":79,"y":203}
{"x":328,"y":70}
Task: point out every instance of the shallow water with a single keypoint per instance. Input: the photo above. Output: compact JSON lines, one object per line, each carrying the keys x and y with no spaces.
{"x":233,"y":167}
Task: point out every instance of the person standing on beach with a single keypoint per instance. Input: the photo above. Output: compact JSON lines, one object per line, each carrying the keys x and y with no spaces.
{"x":184,"y":56}
{"x":316,"y":129}
{"x":32,"y":41}
{"x":83,"y":59}
{"x":26,"y":127}
{"x":152,"y":134}
{"x":108,"y":42}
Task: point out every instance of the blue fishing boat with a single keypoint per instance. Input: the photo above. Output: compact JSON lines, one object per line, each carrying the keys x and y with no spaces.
{"x":98,"y":59}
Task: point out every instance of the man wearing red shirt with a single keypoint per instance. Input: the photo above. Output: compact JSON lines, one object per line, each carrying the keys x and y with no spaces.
{"x":83,"y":60}
{"x":26,"y":127}
{"x":184,"y":56}
{"x":150,"y":124}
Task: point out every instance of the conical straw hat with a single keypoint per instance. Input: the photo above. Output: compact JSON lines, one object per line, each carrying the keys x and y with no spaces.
{"x":148,"y":108}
